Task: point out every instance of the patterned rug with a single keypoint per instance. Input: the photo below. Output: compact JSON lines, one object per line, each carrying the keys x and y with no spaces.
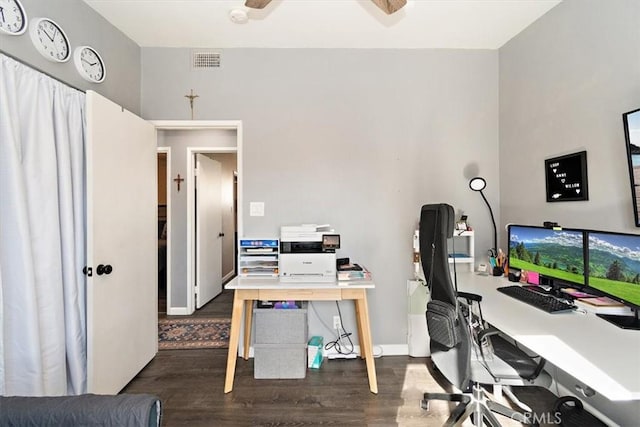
{"x":177,"y":334}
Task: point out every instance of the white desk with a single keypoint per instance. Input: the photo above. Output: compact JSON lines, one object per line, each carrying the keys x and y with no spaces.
{"x":592,"y":350}
{"x":248,"y":290}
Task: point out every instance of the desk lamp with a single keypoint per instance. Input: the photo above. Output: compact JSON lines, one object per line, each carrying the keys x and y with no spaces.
{"x":479,"y":184}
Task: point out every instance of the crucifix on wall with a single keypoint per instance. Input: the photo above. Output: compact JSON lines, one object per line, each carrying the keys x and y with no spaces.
{"x":178,"y":180}
{"x":191,"y":97}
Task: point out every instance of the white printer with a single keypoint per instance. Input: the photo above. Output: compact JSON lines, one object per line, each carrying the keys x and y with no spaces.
{"x":307,"y":253}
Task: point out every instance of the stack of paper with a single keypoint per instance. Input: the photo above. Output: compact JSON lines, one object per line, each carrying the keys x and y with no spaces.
{"x":353,"y":272}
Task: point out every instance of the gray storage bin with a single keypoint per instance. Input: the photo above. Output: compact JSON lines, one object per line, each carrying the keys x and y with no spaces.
{"x":279,"y":361}
{"x":274,"y":326}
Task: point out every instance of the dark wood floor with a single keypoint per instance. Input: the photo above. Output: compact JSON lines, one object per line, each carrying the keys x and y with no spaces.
{"x":190,"y":384}
{"x":219,"y":307}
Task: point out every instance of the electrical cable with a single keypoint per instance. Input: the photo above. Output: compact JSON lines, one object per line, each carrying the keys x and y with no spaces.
{"x":333,"y":331}
{"x":338,"y":344}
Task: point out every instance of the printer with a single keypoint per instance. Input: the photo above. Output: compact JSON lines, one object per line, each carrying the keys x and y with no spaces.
{"x":308,"y":253}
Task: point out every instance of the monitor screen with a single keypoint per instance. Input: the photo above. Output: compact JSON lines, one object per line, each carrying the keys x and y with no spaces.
{"x":552,"y":253}
{"x":614,"y":265}
{"x":632,"y":138}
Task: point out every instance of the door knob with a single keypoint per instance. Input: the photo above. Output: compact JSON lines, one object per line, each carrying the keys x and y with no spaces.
{"x":220,"y":234}
{"x":104,"y":269}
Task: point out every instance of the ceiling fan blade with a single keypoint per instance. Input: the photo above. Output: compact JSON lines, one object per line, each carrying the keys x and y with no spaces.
{"x":390,"y":6}
{"x":256,"y":4}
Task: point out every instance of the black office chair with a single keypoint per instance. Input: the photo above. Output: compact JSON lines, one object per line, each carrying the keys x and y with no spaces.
{"x":467,"y":352}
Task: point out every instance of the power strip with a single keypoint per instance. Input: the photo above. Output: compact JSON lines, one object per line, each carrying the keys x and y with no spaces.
{"x":332,"y":356}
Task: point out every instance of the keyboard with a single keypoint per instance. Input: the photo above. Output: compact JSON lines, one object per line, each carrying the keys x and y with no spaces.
{"x":547,"y":303}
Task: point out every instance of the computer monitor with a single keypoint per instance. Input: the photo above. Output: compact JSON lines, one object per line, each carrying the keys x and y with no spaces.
{"x":614,"y":270}
{"x":557,"y":255}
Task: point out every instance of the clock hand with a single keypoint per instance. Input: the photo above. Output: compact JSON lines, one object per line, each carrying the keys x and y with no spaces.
{"x":47,"y":34}
{"x":2,"y":13}
{"x":90,"y":63}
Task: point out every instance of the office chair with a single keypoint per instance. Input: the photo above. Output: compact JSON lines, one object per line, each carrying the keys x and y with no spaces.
{"x":467,"y":352}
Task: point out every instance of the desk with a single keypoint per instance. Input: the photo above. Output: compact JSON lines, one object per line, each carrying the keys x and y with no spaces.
{"x":248,"y":290}
{"x":588,"y":348}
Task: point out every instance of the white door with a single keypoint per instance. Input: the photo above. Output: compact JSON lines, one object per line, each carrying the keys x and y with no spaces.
{"x":122,"y":317}
{"x":208,"y":229}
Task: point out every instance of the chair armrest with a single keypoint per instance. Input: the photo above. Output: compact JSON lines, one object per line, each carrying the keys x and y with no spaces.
{"x":487,"y":333}
{"x":470,"y":297}
{"x":515,"y":357}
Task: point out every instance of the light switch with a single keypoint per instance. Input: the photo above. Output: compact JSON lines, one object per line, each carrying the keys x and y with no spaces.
{"x":256,"y":209}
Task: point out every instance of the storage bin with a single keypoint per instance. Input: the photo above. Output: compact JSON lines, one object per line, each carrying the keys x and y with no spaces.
{"x":279,"y":361}
{"x":274,"y":326}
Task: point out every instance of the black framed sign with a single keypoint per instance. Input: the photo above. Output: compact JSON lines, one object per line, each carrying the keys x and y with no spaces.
{"x":566,"y":178}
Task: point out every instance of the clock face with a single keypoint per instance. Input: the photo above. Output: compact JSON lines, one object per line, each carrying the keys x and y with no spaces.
{"x":13,"y":18}
{"x":89,"y":64}
{"x":50,"y":40}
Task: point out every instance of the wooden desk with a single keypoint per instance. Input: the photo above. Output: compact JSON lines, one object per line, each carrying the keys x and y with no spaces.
{"x":248,"y":290}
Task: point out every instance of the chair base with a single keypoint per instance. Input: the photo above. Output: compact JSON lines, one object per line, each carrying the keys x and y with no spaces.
{"x":477,"y":407}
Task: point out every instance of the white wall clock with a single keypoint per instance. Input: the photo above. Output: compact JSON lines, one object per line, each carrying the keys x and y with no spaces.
{"x":49,"y":39}
{"x":89,"y":64}
{"x":13,"y":18}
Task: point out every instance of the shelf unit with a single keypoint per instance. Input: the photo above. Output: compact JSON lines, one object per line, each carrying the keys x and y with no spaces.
{"x":258,"y":257}
{"x":461,"y":247}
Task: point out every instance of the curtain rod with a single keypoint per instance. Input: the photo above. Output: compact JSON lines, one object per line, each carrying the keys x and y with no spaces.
{"x":41,"y":71}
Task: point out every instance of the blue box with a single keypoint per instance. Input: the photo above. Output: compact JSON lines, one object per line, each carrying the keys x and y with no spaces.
{"x":315,"y":352}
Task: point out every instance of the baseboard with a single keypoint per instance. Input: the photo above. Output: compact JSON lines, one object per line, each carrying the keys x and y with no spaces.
{"x":393,"y":349}
{"x":378,"y":350}
{"x":178,"y":311}
{"x":228,"y":276}
{"x":381,"y":350}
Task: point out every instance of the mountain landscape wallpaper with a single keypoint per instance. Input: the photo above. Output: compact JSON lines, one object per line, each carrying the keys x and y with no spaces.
{"x":552,"y":253}
{"x":614,"y":265}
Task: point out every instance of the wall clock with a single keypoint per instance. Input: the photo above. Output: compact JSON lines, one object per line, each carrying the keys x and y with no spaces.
{"x":49,"y":39}
{"x":89,"y":64}
{"x":13,"y":18}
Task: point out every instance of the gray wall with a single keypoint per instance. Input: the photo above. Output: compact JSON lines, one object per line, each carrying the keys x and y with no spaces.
{"x":359,"y":139}
{"x":564,"y":83}
{"x":83,"y":26}
{"x":179,"y":141}
{"x":362,"y":138}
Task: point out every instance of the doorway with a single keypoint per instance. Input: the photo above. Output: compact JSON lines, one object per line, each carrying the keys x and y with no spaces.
{"x":229,"y":201}
{"x":221,"y":239}
{"x":164,"y":173}
{"x":185,"y":139}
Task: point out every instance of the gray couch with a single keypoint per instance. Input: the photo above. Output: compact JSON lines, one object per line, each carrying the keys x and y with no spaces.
{"x":123,"y":410}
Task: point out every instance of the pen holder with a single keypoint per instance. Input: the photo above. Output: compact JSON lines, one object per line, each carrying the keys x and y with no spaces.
{"x":498,"y":271}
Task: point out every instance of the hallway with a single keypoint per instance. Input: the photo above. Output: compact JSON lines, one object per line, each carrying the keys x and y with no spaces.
{"x":218,"y":308}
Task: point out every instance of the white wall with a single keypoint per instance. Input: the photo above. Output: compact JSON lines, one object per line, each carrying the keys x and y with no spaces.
{"x":564,"y":83}
{"x":360,"y":139}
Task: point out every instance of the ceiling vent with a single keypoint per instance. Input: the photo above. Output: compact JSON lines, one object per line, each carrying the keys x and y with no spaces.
{"x":205,"y":60}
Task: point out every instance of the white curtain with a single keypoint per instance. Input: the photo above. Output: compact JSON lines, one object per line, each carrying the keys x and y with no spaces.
{"x":42,"y":235}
